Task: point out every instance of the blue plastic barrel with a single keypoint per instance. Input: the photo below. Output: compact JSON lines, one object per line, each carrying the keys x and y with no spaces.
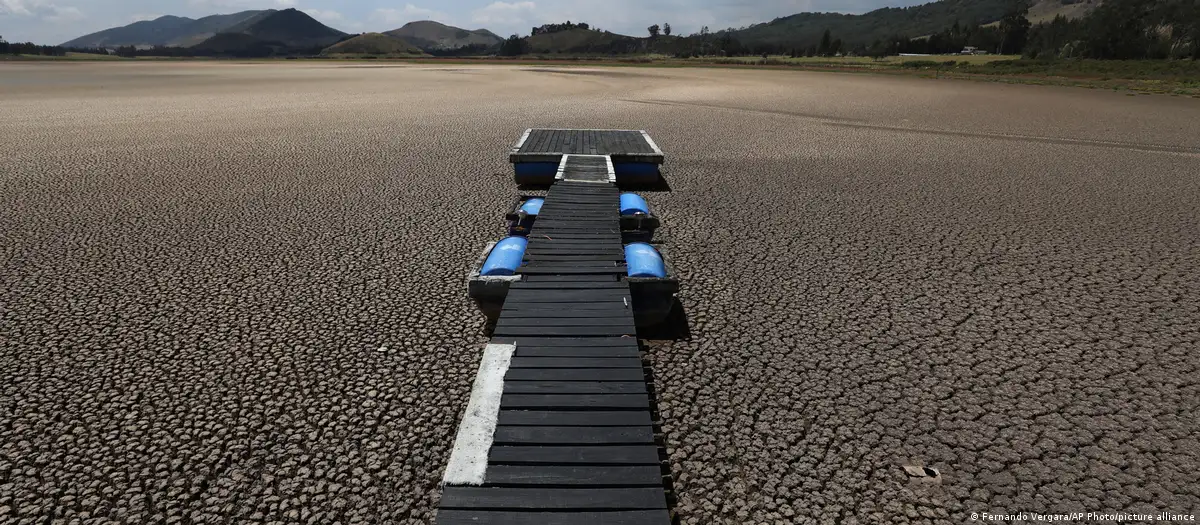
{"x":505,"y":257}
{"x":644,"y":261}
{"x":632,"y":203}
{"x":533,"y":206}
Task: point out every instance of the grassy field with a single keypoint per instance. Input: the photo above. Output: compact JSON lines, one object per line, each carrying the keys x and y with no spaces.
{"x":864,"y":61}
{"x":70,"y":56}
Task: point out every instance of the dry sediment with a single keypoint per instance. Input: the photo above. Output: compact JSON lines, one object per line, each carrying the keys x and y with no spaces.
{"x":236,"y":292}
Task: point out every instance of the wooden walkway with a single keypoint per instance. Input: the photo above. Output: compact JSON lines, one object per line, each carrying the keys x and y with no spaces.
{"x":574,"y":440}
{"x":549,"y":145}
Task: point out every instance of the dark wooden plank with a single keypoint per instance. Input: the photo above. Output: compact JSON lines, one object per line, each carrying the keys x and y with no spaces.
{"x":575,"y":387}
{"x":556,"y":243}
{"x":599,"y":225}
{"x":522,"y":295}
{"x":588,"y":258}
{"x":575,"y":209}
{"x":579,"y":215}
{"x":583,"y":190}
{"x":493,"y":517}
{"x":647,"y":498}
{"x":574,"y":401}
{"x":532,"y":142}
{"x":546,"y":222}
{"x":549,"y":313}
{"x":613,"y":302}
{"x":568,"y":285}
{"x":625,"y":323}
{"x":568,"y":278}
{"x":569,"y":187}
{"x":561,"y":418}
{"x":607,"y":228}
{"x":569,"y":237}
{"x":569,"y":267}
{"x":503,"y":330}
{"x":625,"y":342}
{"x":574,"y":362}
{"x":583,"y":200}
{"x":644,"y":454}
{"x":566,"y":270}
{"x":592,"y":476}
{"x":553,"y":205}
{"x":574,"y":251}
{"x":542,"y":243}
{"x":536,"y":435}
{"x":581,"y":186}
{"x":581,"y":244}
{"x":574,"y":374}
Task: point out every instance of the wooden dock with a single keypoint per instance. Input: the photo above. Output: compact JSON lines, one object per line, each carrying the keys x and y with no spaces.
{"x":574,"y":441}
{"x":632,"y":154}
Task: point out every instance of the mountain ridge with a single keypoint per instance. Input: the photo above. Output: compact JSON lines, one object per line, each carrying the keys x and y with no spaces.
{"x":432,"y":35}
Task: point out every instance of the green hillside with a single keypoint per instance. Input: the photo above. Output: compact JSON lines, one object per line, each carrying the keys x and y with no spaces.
{"x":373,"y":44}
{"x":430,"y":35}
{"x":806,"y":29}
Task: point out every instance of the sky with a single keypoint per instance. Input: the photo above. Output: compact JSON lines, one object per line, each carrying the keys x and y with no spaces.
{"x":56,"y":21}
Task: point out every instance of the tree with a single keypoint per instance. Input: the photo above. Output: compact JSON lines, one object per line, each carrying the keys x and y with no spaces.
{"x":666,"y":29}
{"x":835,"y":47}
{"x":1014,"y":29}
{"x":823,"y":49}
{"x":654,"y":29}
{"x":514,"y":46}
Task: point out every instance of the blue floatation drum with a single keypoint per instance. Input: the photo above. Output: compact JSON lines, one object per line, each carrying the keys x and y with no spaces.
{"x":533,"y":206}
{"x":633,"y":204}
{"x":644,"y":261}
{"x":505,"y":257}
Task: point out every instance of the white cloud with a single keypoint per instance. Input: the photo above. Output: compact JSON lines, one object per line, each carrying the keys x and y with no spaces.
{"x":324,"y":15}
{"x":505,"y":13}
{"x":142,"y":17}
{"x":52,"y":13}
{"x":59,"y":15}
{"x":409,"y":13}
{"x":14,"y":7}
{"x":247,"y":4}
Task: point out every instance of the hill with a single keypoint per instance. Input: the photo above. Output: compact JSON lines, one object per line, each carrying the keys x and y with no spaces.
{"x":806,"y":29}
{"x":204,"y":28}
{"x":586,"y":41}
{"x":430,"y":35}
{"x":291,"y":27}
{"x":237,"y":44}
{"x":373,"y":44}
{"x":1046,"y":10}
{"x":272,"y":33}
{"x":163,"y":31}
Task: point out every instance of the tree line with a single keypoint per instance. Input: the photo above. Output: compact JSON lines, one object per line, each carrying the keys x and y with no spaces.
{"x":29,"y":48}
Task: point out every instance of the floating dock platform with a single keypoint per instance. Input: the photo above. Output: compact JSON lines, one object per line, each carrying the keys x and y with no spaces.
{"x":560,"y":425}
{"x":538,"y":155}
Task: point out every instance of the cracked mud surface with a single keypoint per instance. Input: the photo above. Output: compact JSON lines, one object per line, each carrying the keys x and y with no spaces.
{"x":236,"y":293}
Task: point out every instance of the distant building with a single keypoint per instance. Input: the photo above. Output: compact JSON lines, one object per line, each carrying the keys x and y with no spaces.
{"x":972,"y":50}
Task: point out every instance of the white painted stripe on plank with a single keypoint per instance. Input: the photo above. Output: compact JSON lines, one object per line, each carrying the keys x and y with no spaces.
{"x":469,"y":458}
{"x":612,"y":172}
{"x":521,"y":143}
{"x":562,"y":166}
{"x":650,"y":141}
